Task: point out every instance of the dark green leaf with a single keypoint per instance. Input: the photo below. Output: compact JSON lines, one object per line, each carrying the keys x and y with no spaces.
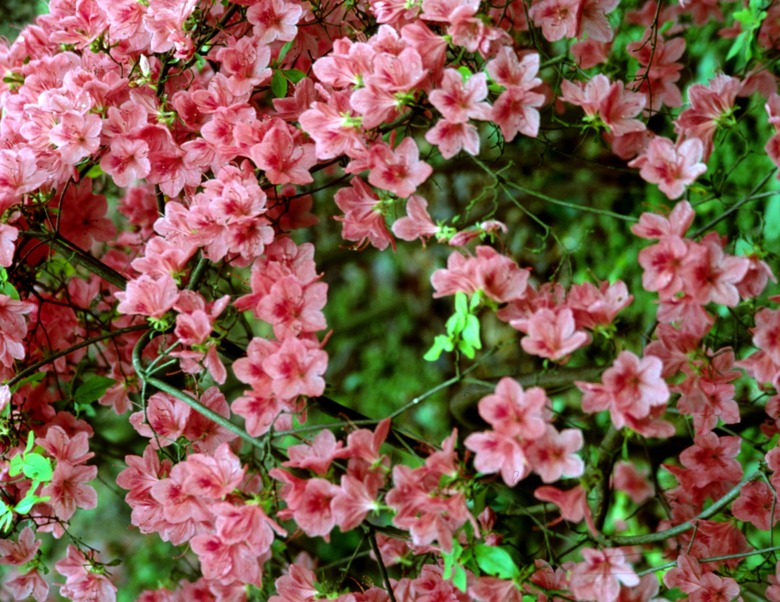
{"x":33,"y":379}
{"x":279,"y":84}
{"x":294,"y":75}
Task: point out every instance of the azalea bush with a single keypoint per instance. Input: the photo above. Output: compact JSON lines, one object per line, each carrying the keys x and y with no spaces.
{"x":383,"y":300}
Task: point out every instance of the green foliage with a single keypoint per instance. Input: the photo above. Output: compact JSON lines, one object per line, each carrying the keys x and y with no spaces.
{"x":750,"y":19}
{"x":462,"y":330}
{"x":496,"y":562}
{"x":6,"y":288}
{"x":34,"y":466}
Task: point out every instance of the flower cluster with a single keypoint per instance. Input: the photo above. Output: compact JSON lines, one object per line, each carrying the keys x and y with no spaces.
{"x":160,"y":161}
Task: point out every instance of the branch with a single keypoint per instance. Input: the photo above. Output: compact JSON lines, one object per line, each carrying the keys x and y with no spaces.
{"x":540,"y":195}
{"x":735,"y":207}
{"x":78,"y":255}
{"x":634,"y":540}
{"x":85,"y":343}
{"x":382,"y":567}
{"x":602,"y":471}
{"x":205,"y":411}
{"x":670,"y":565}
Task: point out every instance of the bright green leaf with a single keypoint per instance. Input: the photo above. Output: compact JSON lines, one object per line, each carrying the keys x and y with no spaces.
{"x":95,"y":171}
{"x":92,"y":390}
{"x":7,"y":289}
{"x":459,"y":579}
{"x":16,"y":465}
{"x":29,"y":500}
{"x":440,"y":343}
{"x":470,"y":333}
{"x":37,"y":467}
{"x":461,"y":303}
{"x":30,"y":442}
{"x":6,"y":516}
{"x":496,"y":562}
{"x":284,"y":50}
{"x":465,"y":73}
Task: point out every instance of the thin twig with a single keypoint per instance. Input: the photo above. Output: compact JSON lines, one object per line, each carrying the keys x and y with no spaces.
{"x":85,"y":343}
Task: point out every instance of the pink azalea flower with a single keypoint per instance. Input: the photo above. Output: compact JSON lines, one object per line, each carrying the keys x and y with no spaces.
{"x":631,"y":389}
{"x":417,"y":223}
{"x":318,"y":455}
{"x":451,"y":138}
{"x":458,"y":100}
{"x":147,"y":296}
{"x":557,"y":18}
{"x":515,"y":412}
{"x":213,"y":476}
{"x":81,"y":582}
{"x":672,"y":167}
{"x":245,"y":62}
{"x":76,"y":136}
{"x":600,"y":575}
{"x":607,"y":102}
{"x":652,"y":226}
{"x":274,"y":20}
{"x":297,"y":368}
{"x":552,"y":456}
{"x":400,"y":171}
{"x":282,"y":158}
{"x":21,"y":551}
{"x":363,"y":218}
{"x":494,"y":274}
{"x":710,"y":275}
{"x":126,"y":161}
{"x":710,"y":105}
{"x":756,"y":504}
{"x":68,"y":489}
{"x":712,"y":459}
{"x":628,"y":479}
{"x":551,"y":334}
{"x":572,"y":503}
{"x":31,"y":584}
{"x":8,"y":235}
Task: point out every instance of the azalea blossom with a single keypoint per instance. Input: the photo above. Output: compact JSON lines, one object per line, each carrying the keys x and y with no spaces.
{"x":672,"y":167}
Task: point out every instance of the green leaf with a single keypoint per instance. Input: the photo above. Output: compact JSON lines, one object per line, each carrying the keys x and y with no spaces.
{"x":465,"y":73}
{"x":459,"y":579}
{"x":456,"y":324}
{"x":470,"y":332}
{"x":33,"y":379}
{"x":279,"y":84}
{"x":95,"y":171}
{"x":30,"y":442}
{"x":294,"y":75}
{"x":451,"y":560}
{"x":284,"y":50}
{"x":37,"y":468}
{"x":7,"y":289}
{"x":496,"y":562}
{"x":92,"y":390}
{"x":440,"y":343}
{"x":16,"y":465}
{"x":6,"y":516}
{"x":461,"y":303}
{"x":742,"y":40}
{"x":29,"y":500}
